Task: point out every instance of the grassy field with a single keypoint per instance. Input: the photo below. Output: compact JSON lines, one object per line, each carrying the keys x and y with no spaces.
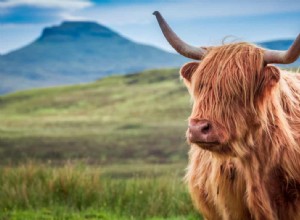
{"x":140,"y":117}
{"x":124,"y":138}
{"x":77,"y":191}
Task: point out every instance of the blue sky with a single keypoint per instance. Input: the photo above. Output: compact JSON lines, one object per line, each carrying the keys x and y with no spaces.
{"x":197,"y":22}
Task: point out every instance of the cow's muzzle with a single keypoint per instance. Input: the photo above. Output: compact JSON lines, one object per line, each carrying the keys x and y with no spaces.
{"x":205,"y":133}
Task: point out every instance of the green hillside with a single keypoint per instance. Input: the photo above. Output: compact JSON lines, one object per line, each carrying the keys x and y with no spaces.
{"x":117,"y":119}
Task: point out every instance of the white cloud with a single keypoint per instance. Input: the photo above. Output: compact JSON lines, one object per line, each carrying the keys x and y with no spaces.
{"x":70,"y":17}
{"x":62,"y":4}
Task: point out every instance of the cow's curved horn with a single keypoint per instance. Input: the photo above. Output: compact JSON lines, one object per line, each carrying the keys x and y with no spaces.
{"x":180,"y":46}
{"x":284,"y":57}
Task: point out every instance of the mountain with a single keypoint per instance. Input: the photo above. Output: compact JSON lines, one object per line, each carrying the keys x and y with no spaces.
{"x":276,"y":44}
{"x":77,"y":52}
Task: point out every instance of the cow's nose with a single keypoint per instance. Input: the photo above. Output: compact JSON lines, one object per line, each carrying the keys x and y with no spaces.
{"x":205,"y":127}
{"x":202,"y":131}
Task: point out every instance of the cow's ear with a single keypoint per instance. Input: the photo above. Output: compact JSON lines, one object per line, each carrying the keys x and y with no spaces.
{"x":270,"y":78}
{"x":188,"y":69}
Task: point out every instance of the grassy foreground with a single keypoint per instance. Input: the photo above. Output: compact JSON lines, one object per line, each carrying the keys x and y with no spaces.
{"x":75,"y":191}
{"x":133,"y":120}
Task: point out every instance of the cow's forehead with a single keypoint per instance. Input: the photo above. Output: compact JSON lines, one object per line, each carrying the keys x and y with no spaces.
{"x":229,"y":74}
{"x":229,"y":65}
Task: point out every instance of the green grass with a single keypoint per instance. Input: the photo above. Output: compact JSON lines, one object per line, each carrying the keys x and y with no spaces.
{"x":129,"y":129}
{"x":120,"y":118}
{"x":76,"y":191}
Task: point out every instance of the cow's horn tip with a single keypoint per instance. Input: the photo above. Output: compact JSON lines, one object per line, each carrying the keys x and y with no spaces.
{"x":155,"y":13}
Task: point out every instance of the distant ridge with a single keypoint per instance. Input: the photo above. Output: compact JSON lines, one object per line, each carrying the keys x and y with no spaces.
{"x":276,"y":44}
{"x":72,"y":30}
{"x":78,"y":52}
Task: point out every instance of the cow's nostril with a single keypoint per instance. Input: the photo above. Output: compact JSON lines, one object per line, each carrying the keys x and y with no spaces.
{"x":206,"y":128}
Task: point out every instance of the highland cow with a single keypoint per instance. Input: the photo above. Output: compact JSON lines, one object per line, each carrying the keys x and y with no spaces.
{"x":244,"y":130}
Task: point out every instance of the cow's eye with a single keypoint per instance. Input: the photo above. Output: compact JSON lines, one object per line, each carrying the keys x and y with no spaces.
{"x":201,"y":86}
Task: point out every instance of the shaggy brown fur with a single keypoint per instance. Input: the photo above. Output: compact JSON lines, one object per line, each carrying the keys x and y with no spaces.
{"x":256,"y":173}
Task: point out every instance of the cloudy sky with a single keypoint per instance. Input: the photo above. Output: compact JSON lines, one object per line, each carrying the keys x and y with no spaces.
{"x":199,"y":22}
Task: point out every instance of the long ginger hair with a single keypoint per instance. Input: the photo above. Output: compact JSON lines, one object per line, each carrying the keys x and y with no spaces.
{"x":233,"y":87}
{"x":259,"y":106}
